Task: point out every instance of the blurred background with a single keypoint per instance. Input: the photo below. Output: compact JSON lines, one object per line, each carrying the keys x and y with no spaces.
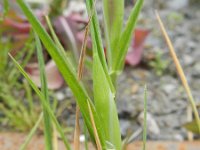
{"x":148,"y":61}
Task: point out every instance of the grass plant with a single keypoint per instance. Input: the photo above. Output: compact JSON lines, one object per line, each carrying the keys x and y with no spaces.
{"x":99,"y":112}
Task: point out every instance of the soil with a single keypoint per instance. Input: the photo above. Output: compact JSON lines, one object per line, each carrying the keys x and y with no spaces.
{"x":12,"y":141}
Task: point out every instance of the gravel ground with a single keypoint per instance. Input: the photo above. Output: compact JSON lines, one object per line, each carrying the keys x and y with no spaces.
{"x":167,"y":101}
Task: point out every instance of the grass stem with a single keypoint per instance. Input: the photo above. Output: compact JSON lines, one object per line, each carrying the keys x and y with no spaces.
{"x":179,"y":70}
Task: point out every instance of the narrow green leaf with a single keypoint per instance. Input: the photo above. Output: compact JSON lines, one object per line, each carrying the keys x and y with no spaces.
{"x":67,"y":70}
{"x":145,"y":118}
{"x":44,"y":89}
{"x":29,"y":97}
{"x":43,"y":101}
{"x":192,"y":126}
{"x":31,"y":133}
{"x":105,"y":104}
{"x":125,"y":39}
{"x":6,"y":8}
{"x":113,"y":18}
{"x":96,"y":39}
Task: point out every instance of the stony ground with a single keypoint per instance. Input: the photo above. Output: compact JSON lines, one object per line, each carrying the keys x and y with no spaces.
{"x":167,"y":101}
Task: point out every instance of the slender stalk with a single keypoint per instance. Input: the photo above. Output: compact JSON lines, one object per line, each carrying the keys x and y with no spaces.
{"x":44,"y":89}
{"x":145,"y":118}
{"x":80,"y":74}
{"x":179,"y":70}
{"x":55,"y":138}
{"x":29,"y":96}
{"x":32,"y":132}
{"x":77,"y":130}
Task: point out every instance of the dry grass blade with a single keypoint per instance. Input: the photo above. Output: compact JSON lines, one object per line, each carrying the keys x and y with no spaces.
{"x":179,"y":70}
{"x":83,"y":49}
{"x":94,"y":128}
{"x":77,"y":130}
{"x":80,"y":74}
{"x":55,"y":138}
{"x":82,"y":55}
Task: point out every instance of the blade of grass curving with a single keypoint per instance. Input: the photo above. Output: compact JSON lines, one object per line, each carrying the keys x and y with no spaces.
{"x":179,"y":70}
{"x":96,"y":39}
{"x":43,"y":101}
{"x":124,"y":42}
{"x":99,"y":147}
{"x":104,"y":91}
{"x":31,"y":133}
{"x":145,"y":119}
{"x":44,"y":89}
{"x":66,"y":69}
{"x":113,"y":18}
{"x":105,"y":104}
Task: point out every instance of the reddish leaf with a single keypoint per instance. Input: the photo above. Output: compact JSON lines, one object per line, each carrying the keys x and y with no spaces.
{"x":134,"y":55}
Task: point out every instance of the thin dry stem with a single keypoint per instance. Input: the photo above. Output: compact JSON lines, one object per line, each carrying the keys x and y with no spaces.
{"x":80,"y":74}
{"x":55,"y":138}
{"x":179,"y":70}
{"x":94,"y":128}
{"x":77,"y":130}
{"x":82,"y":55}
{"x":83,"y":49}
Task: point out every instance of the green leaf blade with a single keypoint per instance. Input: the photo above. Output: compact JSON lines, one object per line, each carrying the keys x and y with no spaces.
{"x":118,"y":59}
{"x":44,"y":102}
{"x":66,"y":69}
{"x":44,"y":89}
{"x":96,"y":40}
{"x":105,"y":104}
{"x":113,"y":18}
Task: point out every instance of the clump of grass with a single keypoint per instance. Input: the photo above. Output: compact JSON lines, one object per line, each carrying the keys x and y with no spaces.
{"x":16,"y":115}
{"x":31,"y":133}
{"x":100,"y":112}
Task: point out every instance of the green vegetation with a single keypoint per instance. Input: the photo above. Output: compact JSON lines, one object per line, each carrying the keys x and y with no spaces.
{"x":99,"y":111}
{"x":108,"y":133}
